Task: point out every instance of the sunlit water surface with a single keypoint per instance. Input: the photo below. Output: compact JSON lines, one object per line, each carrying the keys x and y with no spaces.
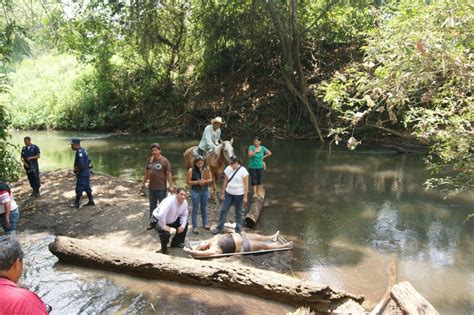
{"x":352,"y":215}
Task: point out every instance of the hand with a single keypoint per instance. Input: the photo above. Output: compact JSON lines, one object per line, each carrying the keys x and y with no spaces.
{"x":7,"y":222}
{"x":143,"y":185}
{"x":167,"y":228}
{"x":222,"y":196}
{"x":187,"y":250}
{"x":171,"y":189}
{"x":245,"y":199}
{"x":180,"y":230}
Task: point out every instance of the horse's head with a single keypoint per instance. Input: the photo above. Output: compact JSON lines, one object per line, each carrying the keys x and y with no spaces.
{"x":227,"y":149}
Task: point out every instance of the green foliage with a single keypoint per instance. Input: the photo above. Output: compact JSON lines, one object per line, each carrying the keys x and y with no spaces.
{"x":43,"y":92}
{"x":417,"y":74}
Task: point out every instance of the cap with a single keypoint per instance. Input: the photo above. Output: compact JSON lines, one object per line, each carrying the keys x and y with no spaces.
{"x":233,"y":159}
{"x":75,"y":141}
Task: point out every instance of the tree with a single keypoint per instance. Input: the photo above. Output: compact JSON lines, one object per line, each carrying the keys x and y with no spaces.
{"x":416,"y":81}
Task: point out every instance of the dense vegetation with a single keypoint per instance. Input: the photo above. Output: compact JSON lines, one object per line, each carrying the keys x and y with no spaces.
{"x":328,"y":69}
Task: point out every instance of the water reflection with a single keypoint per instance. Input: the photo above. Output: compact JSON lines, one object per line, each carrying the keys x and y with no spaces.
{"x":349,"y":214}
{"x":74,"y":290}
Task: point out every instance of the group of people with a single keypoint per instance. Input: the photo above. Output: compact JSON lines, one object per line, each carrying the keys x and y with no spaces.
{"x":172,"y":211}
{"x":30,"y":153}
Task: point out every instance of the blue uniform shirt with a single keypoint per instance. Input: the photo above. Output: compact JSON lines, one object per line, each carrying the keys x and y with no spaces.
{"x":81,"y":162}
{"x":27,"y":152}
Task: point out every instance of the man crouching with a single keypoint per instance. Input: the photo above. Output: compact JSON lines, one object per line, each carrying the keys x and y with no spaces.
{"x":172,"y":212}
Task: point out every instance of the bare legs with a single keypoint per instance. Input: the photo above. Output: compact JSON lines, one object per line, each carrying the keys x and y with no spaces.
{"x":262,"y":238}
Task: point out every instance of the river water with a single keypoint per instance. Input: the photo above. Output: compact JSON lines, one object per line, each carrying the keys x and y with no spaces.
{"x":351,"y":214}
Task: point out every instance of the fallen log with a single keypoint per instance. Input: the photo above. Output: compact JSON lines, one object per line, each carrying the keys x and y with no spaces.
{"x":255,"y":209}
{"x":263,"y":283}
{"x":410,"y":301}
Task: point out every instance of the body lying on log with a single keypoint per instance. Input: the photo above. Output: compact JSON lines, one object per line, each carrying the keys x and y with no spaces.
{"x":247,"y":280}
{"x":235,"y":243}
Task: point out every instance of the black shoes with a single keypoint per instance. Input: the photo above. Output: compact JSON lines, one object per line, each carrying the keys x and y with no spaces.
{"x":180,"y":245}
{"x":90,"y":203}
{"x":74,"y":205}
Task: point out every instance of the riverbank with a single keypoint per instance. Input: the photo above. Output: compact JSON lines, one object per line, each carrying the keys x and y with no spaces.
{"x":119,"y":217}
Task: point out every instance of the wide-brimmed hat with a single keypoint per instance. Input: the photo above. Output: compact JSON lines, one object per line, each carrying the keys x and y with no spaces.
{"x":217,"y":120}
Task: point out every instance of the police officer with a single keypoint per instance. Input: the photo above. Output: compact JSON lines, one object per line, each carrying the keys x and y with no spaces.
{"x":30,"y":154}
{"x":81,"y":169}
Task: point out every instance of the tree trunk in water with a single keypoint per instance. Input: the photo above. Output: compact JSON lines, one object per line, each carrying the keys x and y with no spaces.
{"x":247,"y":280}
{"x":255,"y":209}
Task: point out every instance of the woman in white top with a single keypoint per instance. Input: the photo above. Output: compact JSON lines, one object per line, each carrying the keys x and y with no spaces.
{"x":234,"y":192}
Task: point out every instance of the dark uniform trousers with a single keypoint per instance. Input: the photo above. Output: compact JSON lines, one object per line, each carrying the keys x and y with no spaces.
{"x":177,"y":240}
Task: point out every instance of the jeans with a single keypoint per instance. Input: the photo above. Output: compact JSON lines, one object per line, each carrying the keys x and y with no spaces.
{"x":229,"y":200}
{"x":154,"y":196}
{"x":14,"y":216}
{"x":199,"y":197}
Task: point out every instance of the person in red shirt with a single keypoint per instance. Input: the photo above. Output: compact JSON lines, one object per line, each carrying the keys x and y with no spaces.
{"x":15,"y":300}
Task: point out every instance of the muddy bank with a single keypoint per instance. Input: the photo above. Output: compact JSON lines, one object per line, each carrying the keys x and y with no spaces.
{"x":119,"y":217}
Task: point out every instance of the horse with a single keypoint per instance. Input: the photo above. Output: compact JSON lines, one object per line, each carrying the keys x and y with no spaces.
{"x":216,"y":160}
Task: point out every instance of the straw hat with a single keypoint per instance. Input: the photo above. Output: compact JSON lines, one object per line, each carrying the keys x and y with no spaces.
{"x":217,"y":120}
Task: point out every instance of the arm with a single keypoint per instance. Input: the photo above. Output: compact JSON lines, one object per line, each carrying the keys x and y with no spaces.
{"x":188,"y":178}
{"x":246,"y":188}
{"x":224,"y":185}
{"x":7,"y":213}
{"x":267,"y":154}
{"x":163,"y":209}
{"x":201,"y":253}
{"x":169,"y":178}
{"x":145,"y":177}
{"x":183,"y":218}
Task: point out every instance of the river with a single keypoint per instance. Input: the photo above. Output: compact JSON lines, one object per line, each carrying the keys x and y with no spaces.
{"x":352,"y":214}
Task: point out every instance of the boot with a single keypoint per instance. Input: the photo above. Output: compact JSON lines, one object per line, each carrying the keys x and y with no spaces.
{"x":164,"y":248}
{"x":75,"y":204}
{"x":91,"y":200}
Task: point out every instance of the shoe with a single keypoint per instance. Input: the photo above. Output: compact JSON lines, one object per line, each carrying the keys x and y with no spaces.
{"x":195,"y":231}
{"x":164,"y":250}
{"x":215,"y":231}
{"x":74,"y":205}
{"x":90,"y":203}
{"x":180,"y":245}
{"x":207,"y":227}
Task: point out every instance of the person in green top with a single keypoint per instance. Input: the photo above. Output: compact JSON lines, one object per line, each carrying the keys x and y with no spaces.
{"x":257,"y":153}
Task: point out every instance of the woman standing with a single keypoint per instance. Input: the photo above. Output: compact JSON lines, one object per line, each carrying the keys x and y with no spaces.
{"x":257,"y":153}
{"x":234,"y":192}
{"x":199,"y":178}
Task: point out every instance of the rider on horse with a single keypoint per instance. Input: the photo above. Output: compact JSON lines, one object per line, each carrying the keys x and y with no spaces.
{"x":210,"y":137}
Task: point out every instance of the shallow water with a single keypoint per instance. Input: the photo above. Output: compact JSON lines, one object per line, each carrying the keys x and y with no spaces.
{"x":350,"y":214}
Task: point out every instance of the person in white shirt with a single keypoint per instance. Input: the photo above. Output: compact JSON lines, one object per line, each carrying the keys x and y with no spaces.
{"x":9,"y":212}
{"x":210,"y":137}
{"x":234,"y":192}
{"x":172,"y":212}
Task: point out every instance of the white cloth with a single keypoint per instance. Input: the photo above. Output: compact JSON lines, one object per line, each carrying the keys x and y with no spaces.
{"x":210,"y":138}
{"x":169,"y":210}
{"x":7,"y":197}
{"x":236,"y":185}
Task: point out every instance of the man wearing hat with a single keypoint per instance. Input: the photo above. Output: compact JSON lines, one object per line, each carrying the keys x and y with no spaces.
{"x":81,"y":169}
{"x":211,"y":136}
